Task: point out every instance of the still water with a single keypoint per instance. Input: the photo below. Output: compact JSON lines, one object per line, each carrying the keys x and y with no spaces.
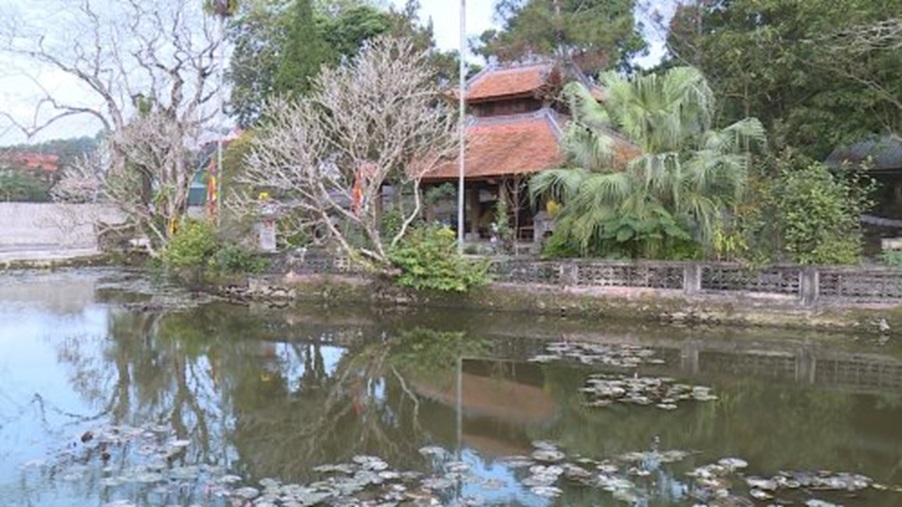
{"x":118,"y":390}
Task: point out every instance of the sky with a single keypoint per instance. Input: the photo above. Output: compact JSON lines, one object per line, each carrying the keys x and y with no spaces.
{"x":17,"y":93}
{"x":445,"y":15}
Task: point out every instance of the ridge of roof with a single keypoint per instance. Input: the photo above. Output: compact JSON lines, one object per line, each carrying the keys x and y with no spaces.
{"x":547,"y":114}
{"x":507,"y":67}
{"x":535,"y":74}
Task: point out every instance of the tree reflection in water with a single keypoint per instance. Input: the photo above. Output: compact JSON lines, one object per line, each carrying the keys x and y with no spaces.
{"x":263,"y":397}
{"x":272,"y":394}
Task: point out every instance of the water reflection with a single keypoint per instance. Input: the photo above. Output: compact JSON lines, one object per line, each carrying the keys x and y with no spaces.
{"x":270,"y":393}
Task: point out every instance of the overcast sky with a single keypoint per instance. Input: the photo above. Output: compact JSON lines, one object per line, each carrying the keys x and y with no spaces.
{"x":17,"y":93}
{"x":445,"y":15}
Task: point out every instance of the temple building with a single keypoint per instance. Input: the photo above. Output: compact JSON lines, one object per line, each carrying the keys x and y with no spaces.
{"x":514,"y":127}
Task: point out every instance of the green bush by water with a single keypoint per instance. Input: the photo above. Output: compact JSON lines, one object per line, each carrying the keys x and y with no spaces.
{"x":197,"y":247}
{"x":429,"y":260}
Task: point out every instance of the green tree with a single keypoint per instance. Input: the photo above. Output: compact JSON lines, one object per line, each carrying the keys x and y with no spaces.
{"x":303,"y":52}
{"x":281,"y":45}
{"x":429,"y":260}
{"x":23,"y":185}
{"x":597,"y":34}
{"x":675,"y":193}
{"x":804,"y":67}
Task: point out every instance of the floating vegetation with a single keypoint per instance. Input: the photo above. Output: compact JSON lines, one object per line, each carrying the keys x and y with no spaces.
{"x":604,"y":389}
{"x":621,"y":355}
{"x":663,"y":392}
{"x":152,"y":457}
{"x":713,"y":483}
{"x":126,"y":459}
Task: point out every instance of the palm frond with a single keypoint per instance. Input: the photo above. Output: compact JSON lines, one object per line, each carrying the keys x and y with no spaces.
{"x":586,"y":147}
{"x":584,"y":106}
{"x":558,"y":184}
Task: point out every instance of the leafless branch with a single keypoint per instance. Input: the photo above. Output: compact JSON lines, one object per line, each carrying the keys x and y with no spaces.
{"x":377,"y":120}
{"x":879,"y":36}
{"x":150,"y":75}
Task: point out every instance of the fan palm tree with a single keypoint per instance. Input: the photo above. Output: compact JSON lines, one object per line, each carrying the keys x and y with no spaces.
{"x":677,"y":191}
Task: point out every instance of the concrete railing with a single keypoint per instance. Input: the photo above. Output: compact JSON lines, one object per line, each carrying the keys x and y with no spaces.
{"x":808,"y":285}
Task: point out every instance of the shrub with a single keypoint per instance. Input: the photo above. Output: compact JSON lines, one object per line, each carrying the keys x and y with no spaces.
{"x":428,"y":259}
{"x":234,"y":259}
{"x":192,"y":246}
{"x":654,"y":235}
{"x":819,"y":213}
{"x":892,"y":258}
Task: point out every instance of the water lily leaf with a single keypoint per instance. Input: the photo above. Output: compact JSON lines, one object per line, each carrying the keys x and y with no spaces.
{"x":546,"y":491}
{"x":433,"y":450}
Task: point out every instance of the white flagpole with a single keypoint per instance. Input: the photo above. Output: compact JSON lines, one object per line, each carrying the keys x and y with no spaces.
{"x":462,"y":126}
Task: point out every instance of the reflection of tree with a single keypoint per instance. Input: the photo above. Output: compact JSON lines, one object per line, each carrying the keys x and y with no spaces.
{"x":426,"y":352}
{"x":364,"y":405}
{"x":160,"y":368}
{"x":280,"y":396}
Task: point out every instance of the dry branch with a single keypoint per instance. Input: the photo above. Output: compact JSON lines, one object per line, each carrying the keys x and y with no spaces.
{"x":377,"y":120}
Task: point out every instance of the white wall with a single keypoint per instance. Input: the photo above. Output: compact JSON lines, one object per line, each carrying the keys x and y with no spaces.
{"x":52,"y":225}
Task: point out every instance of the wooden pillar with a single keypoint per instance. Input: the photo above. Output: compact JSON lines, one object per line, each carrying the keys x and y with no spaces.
{"x":515,"y":206}
{"x":473,"y":198}
{"x":428,"y":208}
{"x":503,"y":195}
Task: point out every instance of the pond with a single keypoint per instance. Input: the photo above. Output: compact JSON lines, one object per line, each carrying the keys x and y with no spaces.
{"x":119,"y":390}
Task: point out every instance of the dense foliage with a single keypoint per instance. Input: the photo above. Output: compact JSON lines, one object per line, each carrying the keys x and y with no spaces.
{"x":818,"y":212}
{"x":192,"y":245}
{"x":197,"y":249}
{"x":814,"y":71}
{"x":280,"y":45}
{"x":24,"y":185}
{"x":680,"y":184}
{"x":429,"y":260}
{"x":597,"y":34}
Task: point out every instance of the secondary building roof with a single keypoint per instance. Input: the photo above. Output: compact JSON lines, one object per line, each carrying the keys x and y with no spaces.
{"x":43,"y":161}
{"x":496,"y":83}
{"x":518,"y":144}
{"x":882,"y":154}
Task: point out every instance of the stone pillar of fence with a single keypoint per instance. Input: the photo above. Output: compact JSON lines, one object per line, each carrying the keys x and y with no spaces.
{"x":570,"y":274}
{"x":692,"y":278}
{"x":808,"y":285}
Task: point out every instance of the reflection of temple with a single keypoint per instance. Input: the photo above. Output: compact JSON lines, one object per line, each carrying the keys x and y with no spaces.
{"x":497,"y":400}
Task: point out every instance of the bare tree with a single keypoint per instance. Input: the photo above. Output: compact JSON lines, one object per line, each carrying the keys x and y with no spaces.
{"x":148,"y":75}
{"x":852,"y":51}
{"x":375,"y":120}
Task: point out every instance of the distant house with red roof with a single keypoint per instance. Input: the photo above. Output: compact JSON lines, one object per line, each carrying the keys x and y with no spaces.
{"x":29,"y":160}
{"x":514,"y":130}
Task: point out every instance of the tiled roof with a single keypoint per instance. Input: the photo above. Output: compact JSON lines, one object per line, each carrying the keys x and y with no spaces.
{"x":885,"y":153}
{"x":516,"y":144}
{"x":519,"y":144}
{"x":496,"y":82}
